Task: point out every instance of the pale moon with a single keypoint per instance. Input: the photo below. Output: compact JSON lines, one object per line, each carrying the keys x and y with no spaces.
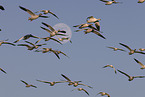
{"x":65,"y":27}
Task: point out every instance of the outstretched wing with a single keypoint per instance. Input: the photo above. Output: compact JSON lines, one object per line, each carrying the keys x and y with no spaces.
{"x":120,"y":49}
{"x":46,"y":30}
{"x":65,"y":77}
{"x":24,"y":82}
{"x":43,"y":81}
{"x":53,"y":14}
{"x":52,"y":29}
{"x":85,"y":85}
{"x":103,"y":0}
{"x":9,"y":43}
{"x":24,"y":45}
{"x":27,"y":10}
{"x":41,"y":44}
{"x":99,"y":34}
{"x":139,"y":76}
{"x":140,"y":52}
{"x":124,"y":73}
{"x":114,"y":70}
{"x":63,"y":53}
{"x":55,"y":53}
{"x":30,"y":43}
{"x":107,"y":94}
{"x":106,"y":66}
{"x":33,"y":86}
{"x":38,"y":40}
{"x":18,"y":39}
{"x":43,"y":16}
{"x":56,"y":40}
{"x":138,"y":62}
{"x":85,"y":91}
{"x":40,"y":11}
{"x":60,"y":81}
{"x":125,"y":46}
{"x":111,"y":47}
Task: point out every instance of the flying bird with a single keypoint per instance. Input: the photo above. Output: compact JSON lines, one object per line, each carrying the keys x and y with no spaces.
{"x":28,"y":85}
{"x":1,"y":7}
{"x":74,"y":83}
{"x":110,"y":2}
{"x":68,"y":80}
{"x":89,"y":30}
{"x":4,"y":42}
{"x":31,"y":47}
{"x":52,"y":31}
{"x":45,"y":50}
{"x":131,"y":50}
{"x":142,"y":65}
{"x":48,"y":38}
{"x":80,"y":26}
{"x":46,"y":12}
{"x":131,"y":77}
{"x":115,"y":49}
{"x":33,"y":16}
{"x":92,"y":19}
{"x":103,"y":94}
{"x":81,"y":89}
{"x":26,"y":37}
{"x":111,"y":67}
{"x":51,"y":83}
{"x":56,"y":52}
{"x":64,"y":38}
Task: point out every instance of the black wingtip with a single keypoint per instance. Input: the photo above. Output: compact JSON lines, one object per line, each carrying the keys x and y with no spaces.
{"x":2,"y":8}
{"x":22,"y":8}
{"x":136,"y":60}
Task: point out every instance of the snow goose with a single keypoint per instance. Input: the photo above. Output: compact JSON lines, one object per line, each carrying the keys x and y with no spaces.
{"x":33,"y":16}
{"x":130,"y":78}
{"x":131,"y":50}
{"x":46,"y":12}
{"x":111,"y":67}
{"x":51,"y":83}
{"x":103,"y":94}
{"x":81,"y":89}
{"x":28,"y":85}
{"x":110,"y":2}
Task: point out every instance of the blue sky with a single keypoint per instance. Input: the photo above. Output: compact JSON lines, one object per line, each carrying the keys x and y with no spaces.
{"x":88,"y":53}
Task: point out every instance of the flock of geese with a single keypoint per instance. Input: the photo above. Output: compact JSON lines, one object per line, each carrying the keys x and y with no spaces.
{"x":92,"y":25}
{"x":115,"y":2}
{"x":52,"y":33}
